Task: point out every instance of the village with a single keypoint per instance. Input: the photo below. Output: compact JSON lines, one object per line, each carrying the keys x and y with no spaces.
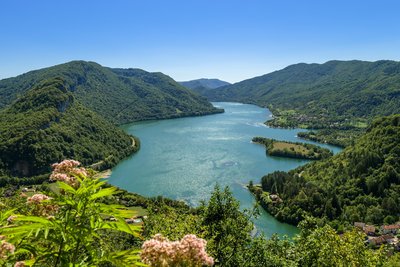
{"x":384,"y":234}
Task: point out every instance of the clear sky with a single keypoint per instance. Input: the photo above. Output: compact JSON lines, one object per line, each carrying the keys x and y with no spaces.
{"x":226,"y":39}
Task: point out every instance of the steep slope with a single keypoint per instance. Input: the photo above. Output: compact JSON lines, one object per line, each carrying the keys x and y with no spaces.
{"x":362,"y":183}
{"x":205,"y":83}
{"x":322,"y":95}
{"x":119,"y":95}
{"x":47,"y":124}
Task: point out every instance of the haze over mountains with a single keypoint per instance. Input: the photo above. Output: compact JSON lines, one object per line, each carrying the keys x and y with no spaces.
{"x":202,"y":85}
{"x":206,"y":83}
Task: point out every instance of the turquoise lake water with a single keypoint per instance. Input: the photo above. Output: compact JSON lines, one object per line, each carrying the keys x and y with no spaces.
{"x":184,"y":158}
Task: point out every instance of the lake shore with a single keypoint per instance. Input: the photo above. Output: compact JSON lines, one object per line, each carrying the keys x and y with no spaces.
{"x":103,"y":174}
{"x":184,"y":158}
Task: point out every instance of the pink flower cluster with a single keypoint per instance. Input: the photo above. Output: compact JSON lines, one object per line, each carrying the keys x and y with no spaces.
{"x":19,"y":264}
{"x":6,"y":248}
{"x":66,"y":171}
{"x":189,"y":251}
{"x":37,"y":198}
{"x":40,"y":208}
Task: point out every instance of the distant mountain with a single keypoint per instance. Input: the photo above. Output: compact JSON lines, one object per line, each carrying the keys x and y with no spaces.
{"x":360,"y":184}
{"x":320,"y":95}
{"x":202,"y":85}
{"x":119,"y":95}
{"x":205,"y":83}
{"x":47,"y":124}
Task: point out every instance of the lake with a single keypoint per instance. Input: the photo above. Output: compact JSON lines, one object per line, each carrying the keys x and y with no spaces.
{"x":184,"y":158}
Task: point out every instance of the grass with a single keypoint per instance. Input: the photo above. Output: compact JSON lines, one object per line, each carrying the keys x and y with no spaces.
{"x":278,"y":146}
{"x":292,"y":150}
{"x":360,"y":124}
{"x":139,"y":211}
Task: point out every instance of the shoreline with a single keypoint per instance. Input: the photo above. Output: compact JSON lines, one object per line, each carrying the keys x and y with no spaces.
{"x":103,"y":174}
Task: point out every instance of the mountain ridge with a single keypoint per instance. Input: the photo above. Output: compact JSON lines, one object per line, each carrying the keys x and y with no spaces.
{"x":321,"y":95}
{"x":119,"y":95}
{"x":204,"y":82}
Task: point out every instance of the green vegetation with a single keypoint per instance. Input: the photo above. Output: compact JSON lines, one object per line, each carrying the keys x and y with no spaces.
{"x":228,"y":233}
{"x":202,"y":85}
{"x":119,"y":95}
{"x":80,"y":221}
{"x":70,"y":228}
{"x":362,"y":183}
{"x":206,"y":83}
{"x":82,"y":224}
{"x":335,"y":95}
{"x":341,"y":138}
{"x":293,"y":150}
{"x":70,"y":111}
{"x":47,"y":124}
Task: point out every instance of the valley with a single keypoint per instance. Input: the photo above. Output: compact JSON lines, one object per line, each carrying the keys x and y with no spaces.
{"x":203,"y":133}
{"x":339,"y":97}
{"x":198,"y":152}
{"x":185,"y":159}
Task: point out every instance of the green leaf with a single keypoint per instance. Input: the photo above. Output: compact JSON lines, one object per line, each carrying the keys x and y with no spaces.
{"x":36,"y":219}
{"x":122,"y":226}
{"x":103,"y":192}
{"x":24,"y":229}
{"x":66,"y":187}
{"x":125,"y":258}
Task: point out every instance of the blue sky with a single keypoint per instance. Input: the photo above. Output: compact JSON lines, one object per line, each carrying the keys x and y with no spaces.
{"x":231,"y":40}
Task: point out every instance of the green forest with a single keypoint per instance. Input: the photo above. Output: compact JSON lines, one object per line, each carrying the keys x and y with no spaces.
{"x":340,"y":138}
{"x":360,"y":184}
{"x":82,"y":221}
{"x":293,"y":150}
{"x":48,"y":124}
{"x":70,"y":111}
{"x":336,"y":95}
{"x":202,"y":85}
{"x":118,"y":95}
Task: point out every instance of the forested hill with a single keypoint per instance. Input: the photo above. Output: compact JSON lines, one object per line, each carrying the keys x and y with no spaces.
{"x":322,"y":95}
{"x":119,"y":95}
{"x":362,"y":183}
{"x":204,"y":83}
{"x":47,"y":124}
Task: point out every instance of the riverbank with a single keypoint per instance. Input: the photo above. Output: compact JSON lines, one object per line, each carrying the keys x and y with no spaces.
{"x":103,"y":174}
{"x":184,"y":158}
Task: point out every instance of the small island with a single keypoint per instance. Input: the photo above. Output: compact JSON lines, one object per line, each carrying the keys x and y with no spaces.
{"x":293,"y":149}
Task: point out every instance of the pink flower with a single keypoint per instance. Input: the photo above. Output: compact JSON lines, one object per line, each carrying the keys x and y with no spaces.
{"x":37,"y":198}
{"x":19,"y":264}
{"x":189,"y":251}
{"x":66,"y":171}
{"x":6,"y":248}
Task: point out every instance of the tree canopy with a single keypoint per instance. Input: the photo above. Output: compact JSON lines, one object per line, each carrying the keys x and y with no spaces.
{"x":118,"y":95}
{"x":47,"y":124}
{"x":362,"y":183}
